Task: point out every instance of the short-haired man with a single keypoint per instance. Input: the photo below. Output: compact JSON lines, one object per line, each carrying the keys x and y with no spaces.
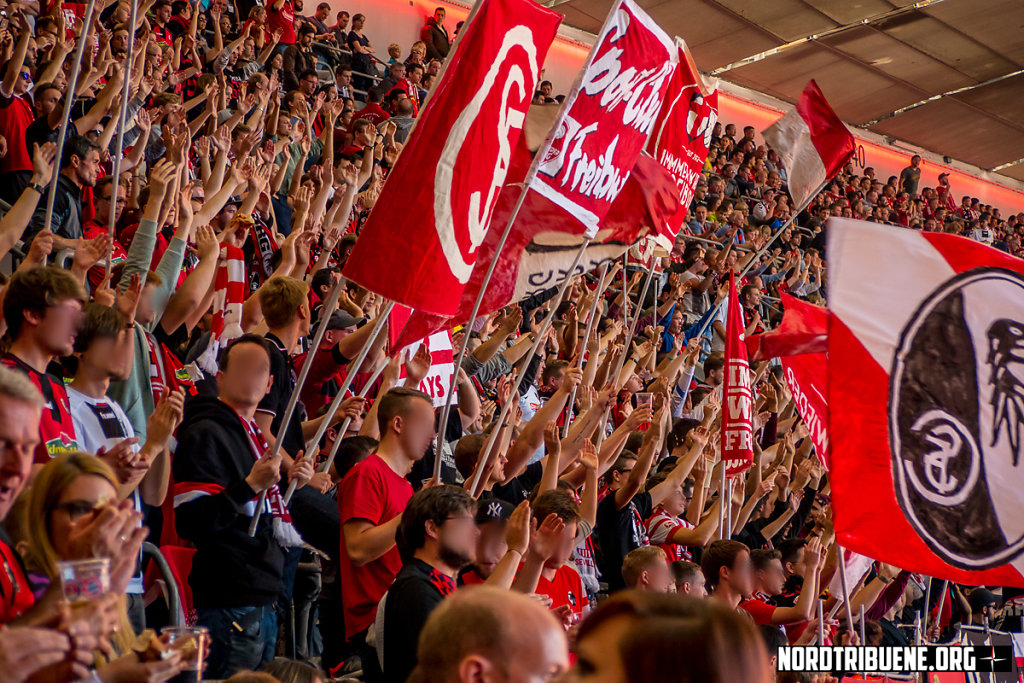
{"x":547,"y":568}
{"x":689,"y":579}
{"x":769,"y":578}
{"x":371,"y":499}
{"x":646,"y":569}
{"x":727,"y":568}
{"x":79,"y":167}
{"x":108,"y":198}
{"x":221,"y":465}
{"x":437,"y":537}
{"x":299,"y":58}
{"x":435,"y":36}
{"x":42,"y":309}
{"x":911,"y":176}
{"x":482,"y":633}
{"x":372,"y":112}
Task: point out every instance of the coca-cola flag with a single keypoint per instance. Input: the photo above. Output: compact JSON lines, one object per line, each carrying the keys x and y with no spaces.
{"x":681,"y":137}
{"x":926,"y":401}
{"x":606,"y":118}
{"x":737,"y":397}
{"x":420,"y":242}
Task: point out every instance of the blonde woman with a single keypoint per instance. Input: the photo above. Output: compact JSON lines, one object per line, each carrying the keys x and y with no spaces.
{"x":72,"y":496}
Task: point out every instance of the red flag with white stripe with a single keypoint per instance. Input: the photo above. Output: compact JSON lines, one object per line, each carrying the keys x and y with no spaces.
{"x":804,"y":329}
{"x":812,"y":143}
{"x":442,"y":356}
{"x":422,"y":238}
{"x":926,"y":394}
{"x":737,"y":397}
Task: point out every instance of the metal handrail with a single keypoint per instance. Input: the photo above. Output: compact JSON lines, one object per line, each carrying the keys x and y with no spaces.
{"x":173,"y":598}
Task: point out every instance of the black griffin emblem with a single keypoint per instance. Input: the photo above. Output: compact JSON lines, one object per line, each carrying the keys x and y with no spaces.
{"x":1006,"y":356}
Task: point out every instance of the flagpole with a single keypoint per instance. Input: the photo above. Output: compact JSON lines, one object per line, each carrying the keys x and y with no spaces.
{"x":121,"y":116}
{"x":293,"y":400}
{"x":942,"y":603}
{"x":625,"y":289}
{"x":846,"y":591}
{"x":326,"y":466}
{"x":927,"y":606}
{"x":821,"y":622}
{"x":586,"y":341}
{"x":69,"y":100}
{"x":722,"y":505}
{"x":541,"y":333}
{"x":863,"y":638}
{"x":378,"y":326}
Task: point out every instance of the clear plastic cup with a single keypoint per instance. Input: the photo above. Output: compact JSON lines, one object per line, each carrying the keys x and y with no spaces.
{"x":194,"y":643}
{"x":84,"y":580}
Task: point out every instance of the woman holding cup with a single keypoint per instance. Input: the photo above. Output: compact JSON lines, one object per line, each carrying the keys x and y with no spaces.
{"x":81,"y":538}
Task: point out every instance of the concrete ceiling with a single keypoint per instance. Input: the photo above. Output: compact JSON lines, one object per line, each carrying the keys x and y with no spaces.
{"x":942,"y":75}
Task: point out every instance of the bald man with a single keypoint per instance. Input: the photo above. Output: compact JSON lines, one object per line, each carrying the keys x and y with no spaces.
{"x":485,"y":634}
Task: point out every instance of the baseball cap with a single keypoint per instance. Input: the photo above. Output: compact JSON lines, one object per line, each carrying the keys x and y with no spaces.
{"x":493,"y":510}
{"x":234,"y":200}
{"x":340,"y":320}
{"x":980,"y":598}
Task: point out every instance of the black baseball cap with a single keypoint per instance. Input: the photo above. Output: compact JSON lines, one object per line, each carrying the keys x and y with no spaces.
{"x":493,"y":510}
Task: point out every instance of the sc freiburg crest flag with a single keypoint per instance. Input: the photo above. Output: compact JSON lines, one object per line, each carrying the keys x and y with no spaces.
{"x":926,"y":401}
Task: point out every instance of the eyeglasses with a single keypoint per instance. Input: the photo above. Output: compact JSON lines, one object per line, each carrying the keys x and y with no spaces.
{"x":77,"y":509}
{"x":26,"y":76}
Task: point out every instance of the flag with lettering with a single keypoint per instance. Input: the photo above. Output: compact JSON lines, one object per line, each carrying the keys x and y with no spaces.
{"x":442,"y":356}
{"x":737,"y":397}
{"x":926,"y":401}
{"x":607,"y":117}
{"x":681,"y":137}
{"x":423,"y":236}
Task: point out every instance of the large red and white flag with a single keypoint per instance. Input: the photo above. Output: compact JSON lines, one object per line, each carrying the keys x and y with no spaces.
{"x":926,"y":401}
{"x":596,"y":146}
{"x":806,"y":376}
{"x":607,"y":117}
{"x":812,"y":143}
{"x":804,"y":329}
{"x":421,"y":240}
{"x":681,"y":137}
{"x":737,"y":397}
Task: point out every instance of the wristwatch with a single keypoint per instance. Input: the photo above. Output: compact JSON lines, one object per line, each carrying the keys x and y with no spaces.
{"x":41,"y":189}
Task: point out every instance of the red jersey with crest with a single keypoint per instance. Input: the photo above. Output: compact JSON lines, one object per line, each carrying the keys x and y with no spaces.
{"x":56,"y":430}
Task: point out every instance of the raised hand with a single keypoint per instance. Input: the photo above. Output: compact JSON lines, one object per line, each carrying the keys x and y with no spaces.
{"x":544,"y":538}
{"x":417,"y":367}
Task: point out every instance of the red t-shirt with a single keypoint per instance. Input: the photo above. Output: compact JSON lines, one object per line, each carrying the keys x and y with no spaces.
{"x":759,"y":609}
{"x":283,"y":19}
{"x":372,"y":112}
{"x":565,"y":588}
{"x":56,"y":430}
{"x":162,"y":35}
{"x":15,"y":117}
{"x":374,"y":492}
{"x":92,"y":229}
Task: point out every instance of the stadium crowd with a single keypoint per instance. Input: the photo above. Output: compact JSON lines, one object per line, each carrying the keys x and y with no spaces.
{"x":592,"y":550}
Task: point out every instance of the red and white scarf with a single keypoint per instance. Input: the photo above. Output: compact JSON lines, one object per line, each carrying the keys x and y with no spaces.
{"x":284,"y":531}
{"x":228,"y":295}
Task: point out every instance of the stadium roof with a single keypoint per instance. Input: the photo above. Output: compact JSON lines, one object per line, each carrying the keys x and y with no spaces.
{"x":945,"y":75}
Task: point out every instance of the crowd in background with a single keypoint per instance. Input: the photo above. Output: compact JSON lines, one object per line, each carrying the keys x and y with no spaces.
{"x":596,"y":526}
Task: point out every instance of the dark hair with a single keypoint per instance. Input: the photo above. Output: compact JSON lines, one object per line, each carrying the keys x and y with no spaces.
{"x":244,"y":339}
{"x":322,"y":278}
{"x":98,"y":322}
{"x":718,"y":555}
{"x":682,"y":639}
{"x":467,"y":453}
{"x":713,"y":363}
{"x":77,"y":146}
{"x":773,"y":638}
{"x":680,"y":428}
{"x":374,"y":94}
{"x":309,"y":72}
{"x":306,"y":28}
{"x":557,"y":502}
{"x":351,"y":452}
{"x":36,"y":290}
{"x":396,"y":403}
{"x":762,"y":557}
{"x":551,"y":368}
{"x":684,"y":572}
{"x":435,"y":504}
{"x":790,"y":548}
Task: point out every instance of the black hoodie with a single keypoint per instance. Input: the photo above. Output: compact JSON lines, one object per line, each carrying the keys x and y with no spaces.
{"x":213,"y":506}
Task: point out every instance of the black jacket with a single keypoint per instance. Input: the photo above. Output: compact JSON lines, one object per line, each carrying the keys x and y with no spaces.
{"x":417,"y":591}
{"x":214,"y":456}
{"x":437,"y":40}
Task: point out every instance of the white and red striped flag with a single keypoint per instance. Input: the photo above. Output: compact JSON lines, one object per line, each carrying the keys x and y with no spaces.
{"x":812,"y":143}
{"x":737,"y":396}
{"x":442,"y":357}
{"x":926,"y":401}
{"x":228,"y":297}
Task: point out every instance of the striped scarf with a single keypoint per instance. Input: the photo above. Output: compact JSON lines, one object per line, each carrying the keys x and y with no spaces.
{"x":228,"y":295}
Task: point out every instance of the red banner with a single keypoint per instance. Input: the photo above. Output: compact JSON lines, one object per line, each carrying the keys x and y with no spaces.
{"x":737,"y":397}
{"x":608,"y":116}
{"x":420,"y":242}
{"x":806,"y":376}
{"x":681,"y":137}
{"x":804,"y":329}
